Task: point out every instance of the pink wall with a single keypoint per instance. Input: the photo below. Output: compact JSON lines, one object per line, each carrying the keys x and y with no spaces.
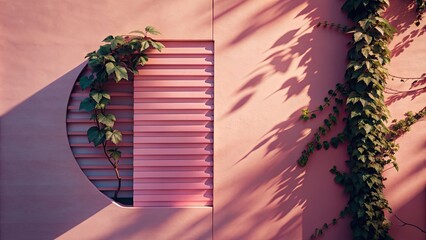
{"x":269,"y":63}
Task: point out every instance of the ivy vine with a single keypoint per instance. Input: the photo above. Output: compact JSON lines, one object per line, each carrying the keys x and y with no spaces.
{"x":371,"y":143}
{"x":116,"y":60}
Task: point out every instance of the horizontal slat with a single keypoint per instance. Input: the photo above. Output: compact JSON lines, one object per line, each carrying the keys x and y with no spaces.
{"x":202,"y":106}
{"x":121,"y":144}
{"x":81,"y":133}
{"x":178,"y":71}
{"x":107,"y":166}
{"x":100,"y":178}
{"x":98,"y":155}
{"x":112,"y":94}
{"x":200,"y":95}
{"x":172,"y":163}
{"x":172,"y":117}
{"x":172,"y":129}
{"x":170,"y":204}
{"x":110,"y":107}
{"x":172,"y":140}
{"x":183,"y":50}
{"x":81,"y":120}
{"x":146,"y":83}
{"x":176,"y":197}
{"x":181,"y":59}
{"x":172,"y":174}
{"x":115,"y":188}
{"x":146,"y":186}
{"x":172,"y":151}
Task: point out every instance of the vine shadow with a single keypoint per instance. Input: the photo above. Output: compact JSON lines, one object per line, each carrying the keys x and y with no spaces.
{"x":319,"y":54}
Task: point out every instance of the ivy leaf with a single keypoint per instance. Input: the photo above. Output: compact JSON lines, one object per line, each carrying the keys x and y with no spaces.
{"x":108,"y":120}
{"x":120,"y":73}
{"x":326,"y":145}
{"x":334,"y":142}
{"x":95,"y":135}
{"x":152,"y":30}
{"x":108,"y":39}
{"x":109,"y":58}
{"x":115,"y":153}
{"x":110,"y":67}
{"x":156,"y":45}
{"x":104,"y":50}
{"x":85,"y":82}
{"x":145,"y":45}
{"x":87,"y":105}
{"x":143,"y":59}
{"x":357,"y":36}
{"x":115,"y":136}
{"x":102,"y":104}
{"x":97,"y":96}
{"x":118,"y":40}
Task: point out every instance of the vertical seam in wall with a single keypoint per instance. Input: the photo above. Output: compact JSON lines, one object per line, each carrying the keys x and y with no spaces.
{"x":214,"y":100}
{"x":212,"y":22}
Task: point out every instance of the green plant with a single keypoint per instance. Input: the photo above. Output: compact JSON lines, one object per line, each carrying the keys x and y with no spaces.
{"x":371,"y":144}
{"x":116,"y":60}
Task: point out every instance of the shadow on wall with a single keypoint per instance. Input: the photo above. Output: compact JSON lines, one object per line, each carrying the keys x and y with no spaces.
{"x":402,"y":15}
{"x":45,"y":194}
{"x":42,"y":187}
{"x":320,"y":55}
{"x":317,"y":54}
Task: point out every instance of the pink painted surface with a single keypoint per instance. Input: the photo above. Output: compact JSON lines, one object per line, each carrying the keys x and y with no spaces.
{"x":269,"y":63}
{"x":43,"y":192}
{"x":173,"y":126}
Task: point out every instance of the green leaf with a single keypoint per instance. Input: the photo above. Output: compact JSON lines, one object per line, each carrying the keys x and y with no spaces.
{"x":109,"y":58}
{"x":152,"y":30}
{"x":108,"y":39}
{"x":95,"y":135}
{"x":120,"y":73}
{"x":326,"y":145}
{"x":102,"y":104}
{"x":143,"y":59}
{"x":115,"y":136}
{"x":157,"y":45}
{"x":87,"y":105}
{"x":145,"y":45}
{"x":104,"y":50}
{"x":108,"y":120}
{"x":86,"y":81}
{"x":115,"y":154}
{"x":110,"y":67}
{"x":357,"y":36}
{"x":334,"y":142}
{"x":97,"y":96}
{"x":118,"y":40}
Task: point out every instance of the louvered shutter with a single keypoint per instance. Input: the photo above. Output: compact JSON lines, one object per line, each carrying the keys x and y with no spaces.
{"x":173,"y":126}
{"x":92,"y":160}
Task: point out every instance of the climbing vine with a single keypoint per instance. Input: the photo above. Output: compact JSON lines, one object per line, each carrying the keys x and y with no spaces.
{"x":116,"y":60}
{"x":371,"y":143}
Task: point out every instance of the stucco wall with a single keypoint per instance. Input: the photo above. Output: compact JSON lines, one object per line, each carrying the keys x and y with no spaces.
{"x":270,"y":62}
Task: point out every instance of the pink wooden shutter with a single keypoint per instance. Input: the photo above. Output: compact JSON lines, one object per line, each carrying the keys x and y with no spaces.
{"x":173,"y":126}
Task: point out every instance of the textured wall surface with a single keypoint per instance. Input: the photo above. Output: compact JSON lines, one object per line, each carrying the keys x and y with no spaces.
{"x":270,"y":62}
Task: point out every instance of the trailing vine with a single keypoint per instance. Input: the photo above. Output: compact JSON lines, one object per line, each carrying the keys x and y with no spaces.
{"x":371,"y":144}
{"x":116,"y":60}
